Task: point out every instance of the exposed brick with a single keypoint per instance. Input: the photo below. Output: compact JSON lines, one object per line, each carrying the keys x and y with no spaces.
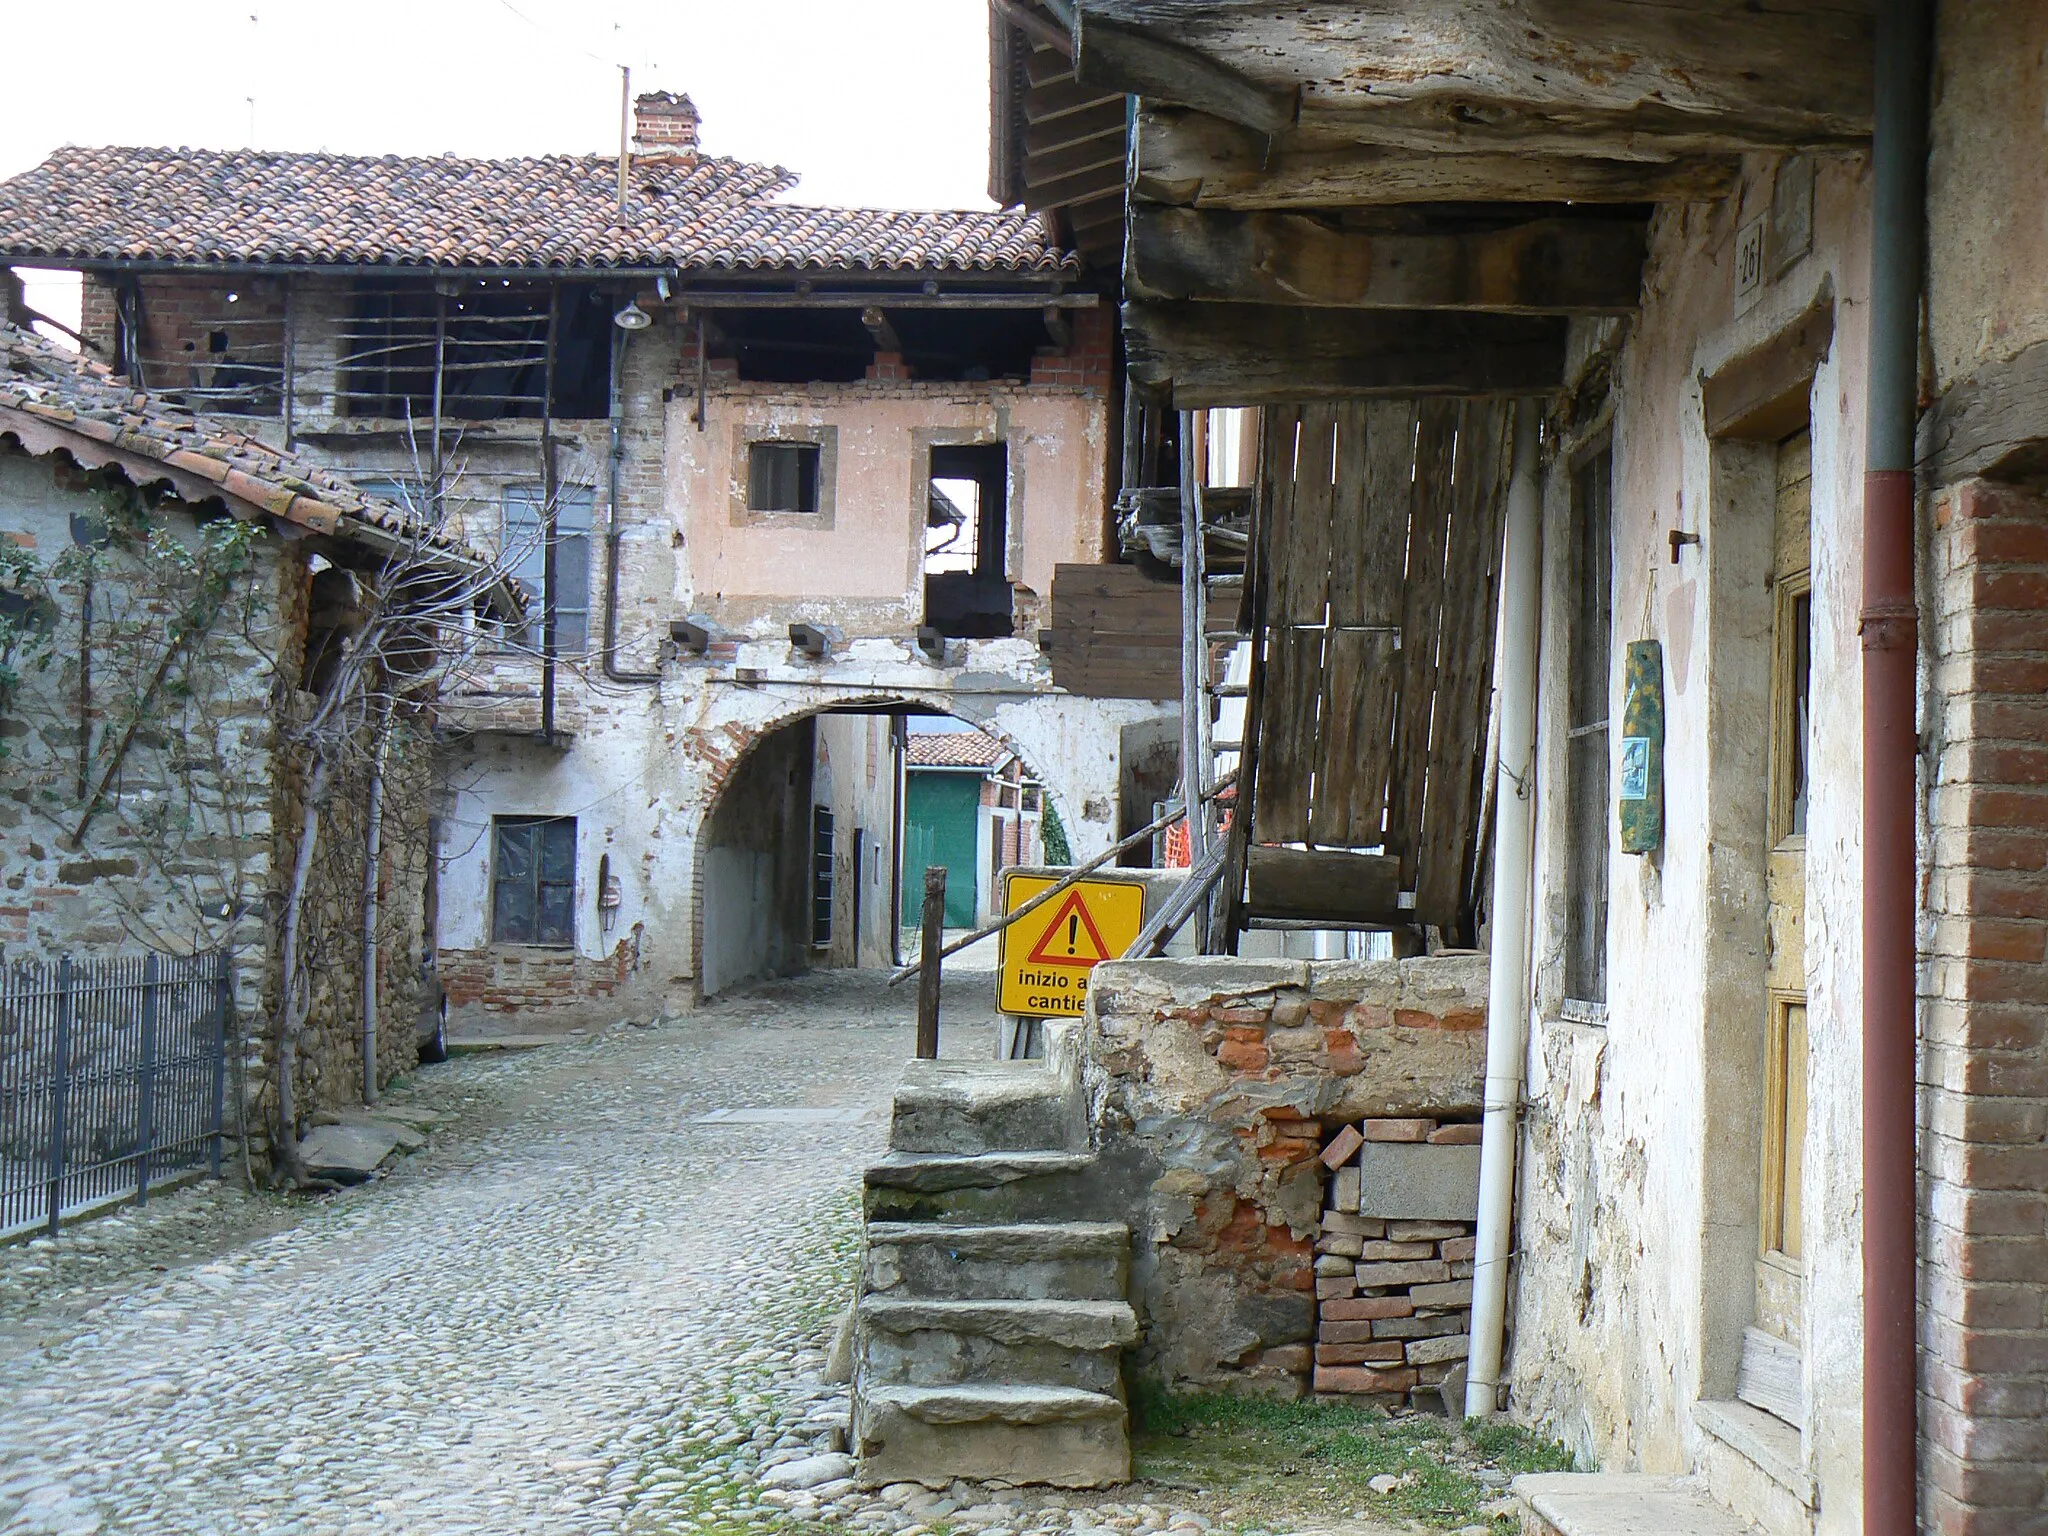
{"x":1347,"y":1378}
{"x":1385,"y":1352}
{"x":1366,"y":1309}
{"x":1382,"y":1251}
{"x":1418,"y":1272}
{"x":1466,"y":1134}
{"x":1398,"y":1130}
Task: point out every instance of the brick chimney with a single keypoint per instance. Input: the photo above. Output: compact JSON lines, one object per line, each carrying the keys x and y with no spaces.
{"x":664,"y":124}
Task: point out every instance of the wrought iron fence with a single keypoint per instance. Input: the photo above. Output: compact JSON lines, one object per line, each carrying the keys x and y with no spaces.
{"x":113,"y":1074}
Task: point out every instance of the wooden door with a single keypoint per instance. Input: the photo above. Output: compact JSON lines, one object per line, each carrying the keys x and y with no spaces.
{"x":1771,"y":1377}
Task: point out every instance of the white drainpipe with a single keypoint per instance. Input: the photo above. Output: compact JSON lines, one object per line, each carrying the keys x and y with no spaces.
{"x":1507,"y":1000}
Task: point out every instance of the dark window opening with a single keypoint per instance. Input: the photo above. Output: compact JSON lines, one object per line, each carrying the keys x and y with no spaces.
{"x":1586,"y":752}
{"x":967,"y":591}
{"x":782,"y":477}
{"x":821,"y":877}
{"x":526,"y":545}
{"x":493,"y":347}
{"x":1797,"y":765}
{"x":834,"y":346}
{"x":533,"y":880}
{"x":970,"y":344}
{"x":797,"y":346}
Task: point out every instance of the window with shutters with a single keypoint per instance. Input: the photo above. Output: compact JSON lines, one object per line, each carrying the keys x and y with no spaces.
{"x":821,"y":877}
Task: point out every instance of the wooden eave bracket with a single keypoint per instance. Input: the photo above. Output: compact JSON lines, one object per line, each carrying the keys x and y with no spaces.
{"x":1111,"y":56}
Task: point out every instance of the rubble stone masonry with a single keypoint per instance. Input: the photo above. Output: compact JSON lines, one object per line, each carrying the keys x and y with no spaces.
{"x":1216,"y":1083}
{"x":1984,"y":1410}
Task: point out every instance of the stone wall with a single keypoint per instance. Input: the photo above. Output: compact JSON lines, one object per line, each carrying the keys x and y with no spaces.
{"x":191,"y":843}
{"x":1214,"y":1083}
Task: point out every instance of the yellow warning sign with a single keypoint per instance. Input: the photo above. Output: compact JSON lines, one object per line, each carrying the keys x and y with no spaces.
{"x":1045,"y":957}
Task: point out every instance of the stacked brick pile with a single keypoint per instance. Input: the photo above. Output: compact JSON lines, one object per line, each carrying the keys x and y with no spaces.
{"x":1394,"y":1260}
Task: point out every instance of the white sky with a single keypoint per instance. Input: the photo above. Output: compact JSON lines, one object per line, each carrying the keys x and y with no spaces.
{"x":875,"y":102}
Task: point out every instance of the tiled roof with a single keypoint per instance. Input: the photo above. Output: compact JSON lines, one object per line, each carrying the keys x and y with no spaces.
{"x":44,"y":386}
{"x":689,"y":211}
{"x":953,"y":749}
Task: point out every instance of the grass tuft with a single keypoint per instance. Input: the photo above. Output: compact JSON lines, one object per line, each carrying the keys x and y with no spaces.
{"x":1273,"y":1459}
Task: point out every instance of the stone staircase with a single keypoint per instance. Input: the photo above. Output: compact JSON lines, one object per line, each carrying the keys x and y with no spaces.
{"x":991,"y":1322}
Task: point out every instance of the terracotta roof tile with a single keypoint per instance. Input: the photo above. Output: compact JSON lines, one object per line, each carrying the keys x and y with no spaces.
{"x":952,"y":749}
{"x":84,"y":398}
{"x":558,"y":211}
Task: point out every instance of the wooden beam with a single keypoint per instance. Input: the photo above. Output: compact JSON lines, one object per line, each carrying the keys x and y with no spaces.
{"x":1306,"y":884}
{"x":1033,"y":24}
{"x":1104,"y":151}
{"x":1259,"y":354}
{"x":1194,"y":160}
{"x":1993,"y":422}
{"x":1618,"y":79}
{"x":877,"y":324}
{"x":1143,"y":61}
{"x":1551,"y":266}
{"x":1765,"y":394}
{"x":1077,"y":188}
{"x":1064,"y":98}
{"x":1106,"y":116}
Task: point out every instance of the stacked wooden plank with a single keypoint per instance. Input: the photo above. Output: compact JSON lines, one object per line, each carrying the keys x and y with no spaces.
{"x":1115,"y":633}
{"x":1394,"y":1260}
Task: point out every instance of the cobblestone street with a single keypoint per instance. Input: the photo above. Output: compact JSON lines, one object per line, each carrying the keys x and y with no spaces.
{"x":580,"y":1310}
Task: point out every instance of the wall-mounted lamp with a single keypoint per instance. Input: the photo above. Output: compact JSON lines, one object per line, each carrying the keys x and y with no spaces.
{"x":632,"y":318}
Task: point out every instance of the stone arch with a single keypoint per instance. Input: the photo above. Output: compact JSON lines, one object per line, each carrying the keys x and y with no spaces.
{"x":723,"y":772}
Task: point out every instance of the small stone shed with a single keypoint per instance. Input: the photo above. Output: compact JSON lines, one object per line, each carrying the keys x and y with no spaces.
{"x":172,"y":596}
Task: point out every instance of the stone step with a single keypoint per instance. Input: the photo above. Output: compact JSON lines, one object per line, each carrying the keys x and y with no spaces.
{"x":1620,"y":1504}
{"x":1073,"y":1261}
{"x":902,"y":1342}
{"x":1016,"y":1434}
{"x":994,"y":1188}
{"x":966,"y":1107}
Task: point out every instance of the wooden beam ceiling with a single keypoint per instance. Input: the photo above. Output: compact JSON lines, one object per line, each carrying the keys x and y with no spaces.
{"x":1545,"y":266}
{"x":1620,"y":79}
{"x":1189,"y":158}
{"x":1258,"y":354}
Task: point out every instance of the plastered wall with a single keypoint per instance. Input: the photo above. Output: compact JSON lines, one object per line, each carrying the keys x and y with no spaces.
{"x":1639,"y":1191}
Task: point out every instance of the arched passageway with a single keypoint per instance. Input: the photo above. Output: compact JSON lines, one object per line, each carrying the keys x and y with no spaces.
{"x":813,"y":849}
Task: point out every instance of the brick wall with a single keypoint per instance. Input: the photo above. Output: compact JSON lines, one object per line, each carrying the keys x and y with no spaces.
{"x":1087,"y":361}
{"x":208,"y":332}
{"x":527,"y":979}
{"x":1984,"y":1410}
{"x":1219,"y":1082}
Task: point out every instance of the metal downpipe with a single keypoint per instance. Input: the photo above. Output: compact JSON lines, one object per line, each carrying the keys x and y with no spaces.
{"x":1507,"y":999}
{"x":1890,"y":631}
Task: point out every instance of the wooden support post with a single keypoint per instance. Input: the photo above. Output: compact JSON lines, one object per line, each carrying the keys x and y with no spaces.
{"x":928,"y":973}
{"x":1196,"y":759}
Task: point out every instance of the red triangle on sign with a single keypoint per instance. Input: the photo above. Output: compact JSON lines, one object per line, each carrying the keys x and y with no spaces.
{"x":1068,"y":937}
